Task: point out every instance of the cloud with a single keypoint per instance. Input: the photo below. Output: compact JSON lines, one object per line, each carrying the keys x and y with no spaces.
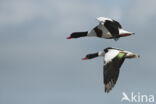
{"x":20,"y":11}
{"x":142,"y":11}
{"x":34,"y":48}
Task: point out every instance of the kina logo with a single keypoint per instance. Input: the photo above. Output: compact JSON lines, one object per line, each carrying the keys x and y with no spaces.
{"x":137,"y":98}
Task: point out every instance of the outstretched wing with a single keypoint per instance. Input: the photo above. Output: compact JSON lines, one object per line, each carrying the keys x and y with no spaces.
{"x":111,"y":71}
{"x":113,"y":27}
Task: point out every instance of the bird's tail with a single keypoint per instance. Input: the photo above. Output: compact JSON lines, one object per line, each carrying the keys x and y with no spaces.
{"x":132,"y":56}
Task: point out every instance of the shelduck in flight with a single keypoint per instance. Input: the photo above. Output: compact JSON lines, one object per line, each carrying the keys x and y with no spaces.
{"x":107,"y":28}
{"x":113,"y":59}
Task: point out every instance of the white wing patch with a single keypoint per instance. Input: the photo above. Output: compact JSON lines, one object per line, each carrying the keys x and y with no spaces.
{"x":111,"y":54}
{"x":103,"y":19}
{"x":105,"y":32}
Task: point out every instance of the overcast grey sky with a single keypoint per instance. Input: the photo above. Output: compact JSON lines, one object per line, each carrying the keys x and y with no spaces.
{"x":39,"y":66}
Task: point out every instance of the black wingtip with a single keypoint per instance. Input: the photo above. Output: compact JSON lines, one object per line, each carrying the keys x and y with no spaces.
{"x":107,"y":91}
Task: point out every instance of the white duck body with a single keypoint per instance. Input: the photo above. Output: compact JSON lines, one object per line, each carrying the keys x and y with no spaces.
{"x":107,"y":28}
{"x":105,"y":33}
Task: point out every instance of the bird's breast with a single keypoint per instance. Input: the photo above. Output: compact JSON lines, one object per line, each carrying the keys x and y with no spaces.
{"x":101,"y":32}
{"x":105,"y":33}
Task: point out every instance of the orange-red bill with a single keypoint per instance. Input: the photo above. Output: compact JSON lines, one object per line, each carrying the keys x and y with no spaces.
{"x":84,"y":58}
{"x":69,"y":37}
